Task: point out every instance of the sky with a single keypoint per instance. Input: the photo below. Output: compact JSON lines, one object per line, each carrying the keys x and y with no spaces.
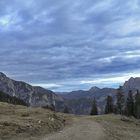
{"x":66,"y":45}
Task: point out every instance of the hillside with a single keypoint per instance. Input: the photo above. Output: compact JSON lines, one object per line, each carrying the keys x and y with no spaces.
{"x":117,"y":127}
{"x":19,"y":122}
{"x":35,"y":96}
{"x":22,"y":123}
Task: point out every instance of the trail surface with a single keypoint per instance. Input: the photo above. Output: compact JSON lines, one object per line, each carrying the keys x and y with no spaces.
{"x":82,"y":129}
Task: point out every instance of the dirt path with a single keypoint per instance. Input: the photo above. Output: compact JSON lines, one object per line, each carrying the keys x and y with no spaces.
{"x":82,"y":129}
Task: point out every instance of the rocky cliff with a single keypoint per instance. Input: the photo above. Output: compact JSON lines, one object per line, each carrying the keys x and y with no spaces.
{"x":35,"y":96}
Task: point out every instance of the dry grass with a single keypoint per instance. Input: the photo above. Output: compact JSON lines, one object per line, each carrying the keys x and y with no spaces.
{"x":117,"y":128}
{"x":19,"y":122}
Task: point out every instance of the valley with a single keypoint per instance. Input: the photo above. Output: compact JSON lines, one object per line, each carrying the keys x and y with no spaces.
{"x":34,"y":113}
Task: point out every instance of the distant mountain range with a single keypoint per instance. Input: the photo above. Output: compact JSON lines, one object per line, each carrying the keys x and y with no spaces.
{"x":78,"y":102}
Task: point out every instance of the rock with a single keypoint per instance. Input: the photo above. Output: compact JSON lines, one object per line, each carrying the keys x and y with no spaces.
{"x":33,"y":95}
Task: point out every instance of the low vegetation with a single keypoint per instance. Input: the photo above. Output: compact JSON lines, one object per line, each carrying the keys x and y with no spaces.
{"x":19,"y":122}
{"x":119,"y":128}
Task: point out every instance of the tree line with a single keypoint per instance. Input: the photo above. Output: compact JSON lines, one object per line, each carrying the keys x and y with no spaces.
{"x":11,"y":99}
{"x":129,"y":106}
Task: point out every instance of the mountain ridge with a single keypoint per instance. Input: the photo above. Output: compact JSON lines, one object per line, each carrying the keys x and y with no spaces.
{"x":33,"y":95}
{"x":78,"y":102}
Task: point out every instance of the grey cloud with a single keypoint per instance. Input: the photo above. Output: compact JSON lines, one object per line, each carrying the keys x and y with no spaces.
{"x":50,"y":41}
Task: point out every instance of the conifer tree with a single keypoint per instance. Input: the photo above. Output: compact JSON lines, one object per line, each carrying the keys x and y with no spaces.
{"x":109,"y":108}
{"x":66,"y":110}
{"x":120,"y":101}
{"x":94,"y":110}
{"x":130,"y":104}
{"x":137,"y":105}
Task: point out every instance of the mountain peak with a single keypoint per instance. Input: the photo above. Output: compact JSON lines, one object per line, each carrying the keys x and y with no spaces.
{"x":131,"y":78}
{"x":132,"y":84}
{"x":94,"y":88}
{"x":2,"y":75}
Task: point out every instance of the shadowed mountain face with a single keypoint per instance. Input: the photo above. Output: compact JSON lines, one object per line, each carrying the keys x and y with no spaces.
{"x":35,"y":96}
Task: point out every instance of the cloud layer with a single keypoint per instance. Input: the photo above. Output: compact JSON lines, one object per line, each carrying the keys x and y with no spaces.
{"x":59,"y":44}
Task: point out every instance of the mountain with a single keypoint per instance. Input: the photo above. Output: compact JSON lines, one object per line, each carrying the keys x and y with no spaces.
{"x":80,"y":102}
{"x":132,"y":84}
{"x":32,"y":95}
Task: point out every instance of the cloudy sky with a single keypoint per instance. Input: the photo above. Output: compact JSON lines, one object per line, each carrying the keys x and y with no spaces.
{"x":66,"y":45}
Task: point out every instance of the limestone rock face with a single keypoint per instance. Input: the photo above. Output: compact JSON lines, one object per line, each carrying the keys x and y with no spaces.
{"x":33,"y":95}
{"x":132,"y":84}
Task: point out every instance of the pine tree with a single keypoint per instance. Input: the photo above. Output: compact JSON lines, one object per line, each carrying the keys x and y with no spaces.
{"x":130,"y":104}
{"x":94,"y":110}
{"x":120,"y":101}
{"x":109,"y":108}
{"x":137,"y":105}
{"x":11,"y":99}
{"x":66,"y":110}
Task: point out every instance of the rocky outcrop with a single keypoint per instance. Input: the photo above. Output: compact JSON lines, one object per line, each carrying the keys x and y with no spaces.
{"x":132,"y":84}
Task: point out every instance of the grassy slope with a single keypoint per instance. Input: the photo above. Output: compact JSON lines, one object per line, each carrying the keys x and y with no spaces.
{"x":18,"y":122}
{"x":116,"y":129}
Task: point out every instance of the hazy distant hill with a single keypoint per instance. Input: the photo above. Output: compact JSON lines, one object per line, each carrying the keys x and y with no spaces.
{"x":80,"y":102}
{"x":35,"y":96}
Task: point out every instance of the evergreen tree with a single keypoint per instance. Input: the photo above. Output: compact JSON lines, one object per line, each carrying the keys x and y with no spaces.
{"x":94,"y":110}
{"x":130,"y":104}
{"x":115,"y":109}
{"x":66,"y":110}
{"x":109,"y":108}
{"x":120,"y":101}
{"x":137,"y":105}
{"x":11,"y":99}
